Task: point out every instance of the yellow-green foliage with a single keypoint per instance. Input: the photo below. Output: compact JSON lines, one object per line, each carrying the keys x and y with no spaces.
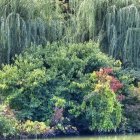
{"x":103,"y":110}
{"x":32,"y":128}
{"x":8,"y":122}
{"x":53,"y":76}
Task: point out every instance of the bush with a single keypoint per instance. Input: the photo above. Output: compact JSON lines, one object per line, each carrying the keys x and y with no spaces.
{"x":32,"y":128}
{"x":7,"y":127}
{"x":57,"y":75}
{"x":24,"y":86}
{"x":103,"y":110}
{"x":132,"y":110}
{"x":8,"y":122}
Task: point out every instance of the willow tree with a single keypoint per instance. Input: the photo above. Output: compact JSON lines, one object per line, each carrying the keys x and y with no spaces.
{"x":122,"y":31}
{"x":113,"y":23}
{"x":23,"y":22}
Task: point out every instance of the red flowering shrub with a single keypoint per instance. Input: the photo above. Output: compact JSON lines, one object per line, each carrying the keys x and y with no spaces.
{"x":103,"y":76}
{"x":103,"y":109}
{"x":108,"y":70}
{"x":115,"y":84}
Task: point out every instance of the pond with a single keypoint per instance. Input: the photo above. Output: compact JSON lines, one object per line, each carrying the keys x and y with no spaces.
{"x":125,"y":137}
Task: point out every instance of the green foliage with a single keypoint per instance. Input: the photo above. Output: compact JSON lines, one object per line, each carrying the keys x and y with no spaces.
{"x":59,"y":102}
{"x":12,"y":128}
{"x":41,"y":21}
{"x":32,"y":128}
{"x":56,"y":75}
{"x":7,"y":127}
{"x":26,"y":22}
{"x":103,"y":110}
{"x":24,"y":86}
{"x":127,"y":79}
{"x":132,"y":109}
{"x":59,"y":75}
{"x":8,"y":122}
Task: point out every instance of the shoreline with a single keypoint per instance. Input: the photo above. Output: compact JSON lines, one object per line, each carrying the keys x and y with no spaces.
{"x":59,"y":134}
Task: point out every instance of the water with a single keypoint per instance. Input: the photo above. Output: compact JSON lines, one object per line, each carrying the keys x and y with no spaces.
{"x":126,"y":137}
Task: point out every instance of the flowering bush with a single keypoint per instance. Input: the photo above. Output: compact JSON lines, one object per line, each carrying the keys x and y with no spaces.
{"x":103,"y":110}
{"x":103,"y":75}
{"x":43,"y":78}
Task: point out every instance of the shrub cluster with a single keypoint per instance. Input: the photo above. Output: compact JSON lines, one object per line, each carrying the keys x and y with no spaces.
{"x":59,"y":82}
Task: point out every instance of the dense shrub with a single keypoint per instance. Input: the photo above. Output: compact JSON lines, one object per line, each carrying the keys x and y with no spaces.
{"x":8,"y":122}
{"x":103,"y":109}
{"x":23,"y":85}
{"x":12,"y":128}
{"x":132,"y":110}
{"x":32,"y":128}
{"x":7,"y":127}
{"x":58,"y":75}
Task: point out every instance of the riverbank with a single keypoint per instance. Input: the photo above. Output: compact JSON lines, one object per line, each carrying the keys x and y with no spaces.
{"x":71,"y":134}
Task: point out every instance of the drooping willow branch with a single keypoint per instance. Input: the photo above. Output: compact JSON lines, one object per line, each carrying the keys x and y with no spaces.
{"x":114,"y":23}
